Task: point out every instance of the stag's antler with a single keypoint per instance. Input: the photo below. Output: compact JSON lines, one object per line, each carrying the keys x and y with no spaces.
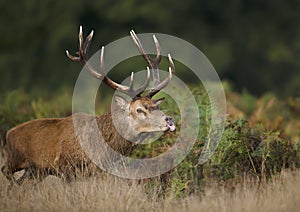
{"x":153,"y":63}
{"x":82,"y":57}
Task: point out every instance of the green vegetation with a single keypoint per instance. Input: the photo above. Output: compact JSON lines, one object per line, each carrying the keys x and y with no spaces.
{"x":18,"y":107}
{"x":247,"y":148}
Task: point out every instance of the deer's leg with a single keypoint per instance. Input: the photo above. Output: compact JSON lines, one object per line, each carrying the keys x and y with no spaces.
{"x":8,"y":174}
{"x":14,"y":163}
{"x":26,"y":174}
{"x":32,"y":173}
{"x":10,"y":168}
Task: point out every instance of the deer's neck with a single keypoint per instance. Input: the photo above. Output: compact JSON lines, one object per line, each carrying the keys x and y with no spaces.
{"x":121,"y":137}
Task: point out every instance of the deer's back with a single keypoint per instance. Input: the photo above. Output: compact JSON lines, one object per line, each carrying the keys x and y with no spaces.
{"x":42,"y":141}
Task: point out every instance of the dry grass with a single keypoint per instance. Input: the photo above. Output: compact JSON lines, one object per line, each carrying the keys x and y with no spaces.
{"x":109,"y":193}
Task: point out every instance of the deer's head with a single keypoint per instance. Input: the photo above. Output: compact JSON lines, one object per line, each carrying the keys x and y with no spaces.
{"x":142,"y":113}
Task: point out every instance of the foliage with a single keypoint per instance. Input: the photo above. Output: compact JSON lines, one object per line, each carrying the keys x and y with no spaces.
{"x":18,"y":107}
{"x":246,"y":149}
{"x":278,"y":114}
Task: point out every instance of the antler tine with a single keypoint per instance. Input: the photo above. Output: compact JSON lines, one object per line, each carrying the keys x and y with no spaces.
{"x":140,"y":47}
{"x":80,"y":36}
{"x":156,"y":78}
{"x":131,"y":80}
{"x":74,"y":58}
{"x":82,"y":53}
{"x":87,"y":42}
{"x":152,"y":62}
{"x":172,"y":66}
{"x":157,"y":46}
{"x":157,"y":85}
{"x":164,"y":83}
{"x":140,"y":90}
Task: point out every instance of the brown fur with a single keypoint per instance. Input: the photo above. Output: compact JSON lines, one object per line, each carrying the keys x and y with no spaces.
{"x":50,"y":145}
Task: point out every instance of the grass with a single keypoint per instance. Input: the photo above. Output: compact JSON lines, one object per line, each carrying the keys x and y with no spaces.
{"x":108,"y":193}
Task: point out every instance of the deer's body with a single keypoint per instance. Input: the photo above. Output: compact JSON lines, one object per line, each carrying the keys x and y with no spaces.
{"x":51,"y":145}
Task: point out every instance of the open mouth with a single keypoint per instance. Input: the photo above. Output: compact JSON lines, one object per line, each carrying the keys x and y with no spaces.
{"x":170,"y":125}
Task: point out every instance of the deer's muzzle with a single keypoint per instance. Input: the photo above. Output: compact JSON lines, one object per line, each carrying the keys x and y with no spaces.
{"x":170,"y":124}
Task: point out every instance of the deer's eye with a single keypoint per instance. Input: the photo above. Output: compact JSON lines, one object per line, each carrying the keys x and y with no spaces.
{"x":139,"y":110}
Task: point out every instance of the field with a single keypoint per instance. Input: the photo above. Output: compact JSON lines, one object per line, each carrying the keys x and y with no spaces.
{"x":113,"y":194}
{"x":255,"y":167}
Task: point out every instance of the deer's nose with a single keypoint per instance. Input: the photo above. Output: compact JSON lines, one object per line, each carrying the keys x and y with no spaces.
{"x":169,"y":119}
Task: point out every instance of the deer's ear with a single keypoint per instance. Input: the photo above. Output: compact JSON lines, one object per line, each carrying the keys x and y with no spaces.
{"x":121,"y":102}
{"x":157,"y":102}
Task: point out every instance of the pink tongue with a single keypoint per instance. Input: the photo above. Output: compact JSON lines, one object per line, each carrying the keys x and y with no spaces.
{"x":171,"y":127}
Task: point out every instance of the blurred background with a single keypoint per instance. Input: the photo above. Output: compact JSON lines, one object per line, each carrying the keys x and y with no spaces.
{"x":255,"y":45}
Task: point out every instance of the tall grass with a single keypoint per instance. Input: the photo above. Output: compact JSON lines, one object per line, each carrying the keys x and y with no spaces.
{"x":108,"y":193}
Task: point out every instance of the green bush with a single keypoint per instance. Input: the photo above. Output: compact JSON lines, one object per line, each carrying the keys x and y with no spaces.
{"x":18,"y":107}
{"x":244,"y":150}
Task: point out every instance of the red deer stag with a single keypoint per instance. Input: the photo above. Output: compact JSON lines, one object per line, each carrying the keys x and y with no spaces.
{"x":49,"y":146}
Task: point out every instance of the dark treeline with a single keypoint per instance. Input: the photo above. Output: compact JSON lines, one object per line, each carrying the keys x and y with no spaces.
{"x":254,"y":44}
